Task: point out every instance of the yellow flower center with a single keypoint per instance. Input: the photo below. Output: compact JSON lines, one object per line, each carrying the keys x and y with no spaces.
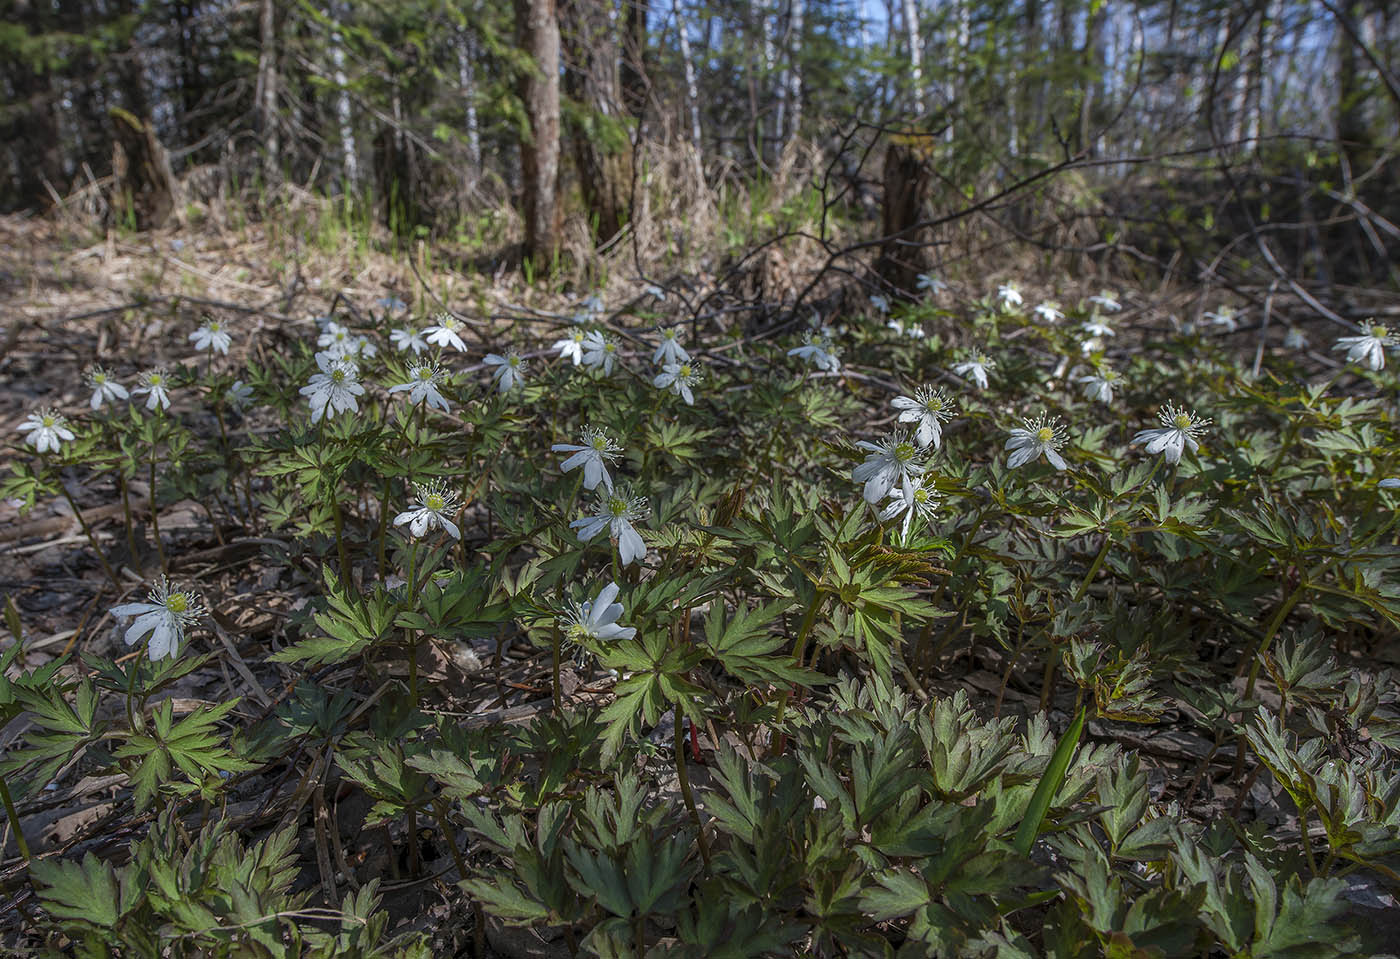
{"x":49,"y":420}
{"x":337,"y":376}
{"x":99,"y":379}
{"x":1045,"y":434}
{"x":434,"y":502}
{"x":617,"y":506}
{"x":599,"y":442}
{"x":1379,"y":332}
{"x":155,"y":379}
{"x":1182,"y":421}
{"x":610,"y":347}
{"x":177,"y":603}
{"x":514,"y":362}
{"x":685,"y":370}
{"x":921,"y":495}
{"x":578,"y":336}
{"x":904,"y":452}
{"x":425,"y":374}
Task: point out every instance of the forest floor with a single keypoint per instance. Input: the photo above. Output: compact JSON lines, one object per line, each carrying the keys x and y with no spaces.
{"x":67,"y":301}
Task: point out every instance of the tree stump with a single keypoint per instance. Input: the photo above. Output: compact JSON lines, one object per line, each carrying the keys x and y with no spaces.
{"x":906,"y":178}
{"x":143,"y":188}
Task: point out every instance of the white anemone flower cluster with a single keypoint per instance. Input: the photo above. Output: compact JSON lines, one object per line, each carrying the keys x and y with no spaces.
{"x":929,"y":408}
{"x":339,"y":342}
{"x":616,"y":511}
{"x":1035,"y":437}
{"x":1009,"y":296}
{"x":1049,"y":312}
{"x":594,"y":454}
{"x":164,"y":618}
{"x":48,"y":430}
{"x":1225,"y":318}
{"x":1106,"y":301}
{"x":1368,"y":348}
{"x":334,"y":388}
{"x":1177,"y":433}
{"x":434,"y":506}
{"x":931,"y":284}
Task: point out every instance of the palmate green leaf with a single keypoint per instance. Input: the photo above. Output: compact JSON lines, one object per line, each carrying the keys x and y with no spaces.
{"x":89,"y":892}
{"x":194,"y":745}
{"x":749,"y":652}
{"x":352,"y":625}
{"x":504,"y":900}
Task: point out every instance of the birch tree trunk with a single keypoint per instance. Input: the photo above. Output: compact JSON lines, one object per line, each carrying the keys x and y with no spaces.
{"x":265,"y":94}
{"x":537,"y":34}
{"x":916,"y":54}
{"x":466,"y":79}
{"x":349,"y":149}
{"x":692,"y":84}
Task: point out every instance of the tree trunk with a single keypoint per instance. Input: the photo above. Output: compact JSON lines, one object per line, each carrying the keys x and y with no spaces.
{"x":349,"y":149}
{"x":597,"y":131}
{"x":907,"y":179}
{"x":634,"y":57}
{"x":916,"y":54}
{"x":537,"y":34}
{"x":143,"y":188}
{"x":692,"y":85}
{"x":266,"y":93}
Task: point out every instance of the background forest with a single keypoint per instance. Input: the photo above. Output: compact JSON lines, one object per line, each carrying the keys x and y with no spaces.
{"x":696,"y":478}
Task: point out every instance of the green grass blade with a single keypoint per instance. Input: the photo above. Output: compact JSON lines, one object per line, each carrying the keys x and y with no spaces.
{"x":1050,"y":783}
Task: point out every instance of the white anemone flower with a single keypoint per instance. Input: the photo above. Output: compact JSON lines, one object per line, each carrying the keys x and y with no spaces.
{"x":599,"y":351}
{"x":679,"y":378}
{"x":154,"y":385}
{"x":1099,"y":384}
{"x":435,"y":503}
{"x":918,"y":505}
{"x":596,"y":619}
{"x":880,"y":302}
{"x":651,"y":289}
{"x":422,"y":386}
{"x":47,"y":429}
{"x":212,"y":336}
{"x":1224,"y":317}
{"x":337,"y":340}
{"x":444,"y":333}
{"x":930,"y":408}
{"x":670,"y":349}
{"x":570,"y":347}
{"x":1369,"y":347}
{"x":510,"y":370}
{"x":239,"y":395}
{"x":593,"y":306}
{"x":164,"y":618}
{"x":818,"y":350}
{"x":408,"y":338}
{"x":891,"y":462}
{"x":597,"y":450}
{"x":1035,"y":437}
{"x":616,"y":511}
{"x":1295,"y":339}
{"x":931,"y":284}
{"x":104,"y":388}
{"x":1106,"y":301}
{"x":1178,"y":432}
{"x":334,"y":388}
{"x":975,"y":368}
{"x":1010,"y":296}
{"x":391,"y":303}
{"x":1049,"y":312}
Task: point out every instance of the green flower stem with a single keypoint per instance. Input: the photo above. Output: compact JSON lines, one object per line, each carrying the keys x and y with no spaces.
{"x":684,"y":777}
{"x":155,"y":517}
{"x":12,"y":814}
{"x":340,"y":541}
{"x":555,"y":644}
{"x":408,"y":633}
{"x":1108,"y":537}
{"x":92,"y":540}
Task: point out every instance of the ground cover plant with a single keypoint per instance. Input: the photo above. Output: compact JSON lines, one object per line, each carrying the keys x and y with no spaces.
{"x":968,"y":624}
